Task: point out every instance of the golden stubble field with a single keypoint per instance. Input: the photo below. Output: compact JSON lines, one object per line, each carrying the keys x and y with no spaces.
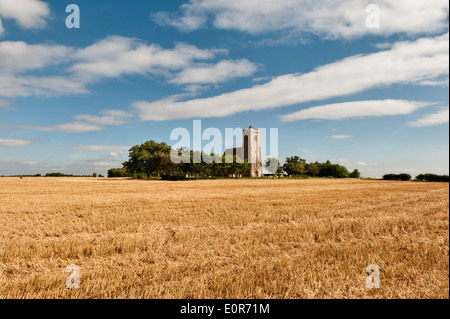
{"x":223,"y":238}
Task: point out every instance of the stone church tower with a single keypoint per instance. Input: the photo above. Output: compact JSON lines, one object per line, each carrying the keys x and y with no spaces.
{"x":250,"y":151}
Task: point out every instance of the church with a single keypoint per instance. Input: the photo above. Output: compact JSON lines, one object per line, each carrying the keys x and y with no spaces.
{"x":250,"y":151}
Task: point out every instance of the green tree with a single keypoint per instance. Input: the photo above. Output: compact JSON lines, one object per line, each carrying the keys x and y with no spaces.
{"x":355,"y":174}
{"x":295,"y":166}
{"x":149,"y":158}
{"x":314,"y":169}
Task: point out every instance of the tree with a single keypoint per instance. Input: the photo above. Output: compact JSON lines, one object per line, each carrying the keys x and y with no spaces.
{"x":295,"y":166}
{"x":94,"y":175}
{"x":148,"y":158}
{"x":355,"y":174}
{"x":314,"y":169}
{"x":397,"y":177}
{"x":432,"y":178}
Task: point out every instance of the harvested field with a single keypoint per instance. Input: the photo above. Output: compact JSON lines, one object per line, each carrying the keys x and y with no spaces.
{"x":223,"y":238}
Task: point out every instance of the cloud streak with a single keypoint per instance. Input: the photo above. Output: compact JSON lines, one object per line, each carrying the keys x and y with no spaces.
{"x":99,"y":148}
{"x":441,"y":117}
{"x":15,"y":142}
{"x":408,"y":62}
{"x":72,"y":127}
{"x":356,"y":109}
{"x":341,"y":137}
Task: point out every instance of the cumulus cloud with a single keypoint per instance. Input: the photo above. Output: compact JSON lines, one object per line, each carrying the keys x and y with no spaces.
{"x":29,"y":14}
{"x":348,"y":110}
{"x":18,"y":56}
{"x":441,"y":117}
{"x":15,"y":142}
{"x":112,"y":57}
{"x":116,"y":56}
{"x":407,"y":62}
{"x":296,"y":18}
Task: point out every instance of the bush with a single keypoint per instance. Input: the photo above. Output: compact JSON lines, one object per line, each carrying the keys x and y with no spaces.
{"x":140,"y":176}
{"x":118,"y":172}
{"x":397,"y":177}
{"x":54,"y":175}
{"x":432,"y":178}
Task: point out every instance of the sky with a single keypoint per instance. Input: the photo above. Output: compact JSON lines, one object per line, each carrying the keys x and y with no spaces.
{"x":362,"y":83}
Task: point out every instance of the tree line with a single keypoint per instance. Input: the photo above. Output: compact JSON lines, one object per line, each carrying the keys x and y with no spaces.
{"x":419,"y":178}
{"x":296,"y":166}
{"x":153,"y":160}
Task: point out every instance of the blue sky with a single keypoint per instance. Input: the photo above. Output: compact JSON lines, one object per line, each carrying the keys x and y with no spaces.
{"x":375,"y":99}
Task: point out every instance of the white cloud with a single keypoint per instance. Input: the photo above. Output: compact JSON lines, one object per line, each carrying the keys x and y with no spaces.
{"x":73,"y":127}
{"x":15,"y":142}
{"x":438,"y":118}
{"x":434,"y":83}
{"x":112,"y":57}
{"x":18,"y":56}
{"x":361,"y":164}
{"x":215,"y":73}
{"x":348,"y":110}
{"x":99,"y":148}
{"x":296,"y":18}
{"x":86,"y":123}
{"x":108,"y":117}
{"x":23,"y":86}
{"x":116,"y":56}
{"x":29,"y":14}
{"x":341,"y":137}
{"x":405,"y":63}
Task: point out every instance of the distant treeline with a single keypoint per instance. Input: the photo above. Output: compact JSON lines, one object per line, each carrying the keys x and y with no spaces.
{"x":153,"y":160}
{"x":420,"y":178}
{"x":397,"y":177}
{"x":298,"y":167}
{"x":56,"y":175}
{"x":432,"y":178}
